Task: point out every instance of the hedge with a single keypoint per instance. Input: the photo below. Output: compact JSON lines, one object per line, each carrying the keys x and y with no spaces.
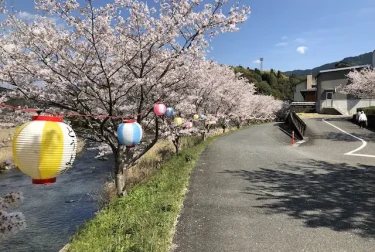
{"x":368,"y":110}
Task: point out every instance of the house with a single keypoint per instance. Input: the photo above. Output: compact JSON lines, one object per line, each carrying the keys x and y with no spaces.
{"x":305,"y":91}
{"x":304,"y":96}
{"x":329,"y":100}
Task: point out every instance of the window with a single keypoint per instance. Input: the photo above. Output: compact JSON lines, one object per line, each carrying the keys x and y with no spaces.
{"x":329,"y":96}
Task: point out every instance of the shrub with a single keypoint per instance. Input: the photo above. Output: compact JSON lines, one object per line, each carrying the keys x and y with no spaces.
{"x":368,"y":110}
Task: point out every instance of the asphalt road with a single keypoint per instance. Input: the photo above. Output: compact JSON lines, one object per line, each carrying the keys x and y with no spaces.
{"x":252,"y":191}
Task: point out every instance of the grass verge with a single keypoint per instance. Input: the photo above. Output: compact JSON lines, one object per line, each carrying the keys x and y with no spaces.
{"x":143,"y":220}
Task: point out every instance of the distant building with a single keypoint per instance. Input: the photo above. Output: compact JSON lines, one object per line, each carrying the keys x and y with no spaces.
{"x":322,"y":92}
{"x":329,"y":100}
{"x":305,"y":91}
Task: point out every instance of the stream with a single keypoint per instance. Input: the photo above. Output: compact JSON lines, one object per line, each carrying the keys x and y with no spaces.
{"x":54,"y":212}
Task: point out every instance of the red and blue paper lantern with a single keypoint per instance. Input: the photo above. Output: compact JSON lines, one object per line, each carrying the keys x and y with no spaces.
{"x":159,"y":109}
{"x":169,"y":112}
{"x":129,"y":133}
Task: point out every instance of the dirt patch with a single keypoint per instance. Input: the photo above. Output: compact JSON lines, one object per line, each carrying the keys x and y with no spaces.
{"x":314,"y":115}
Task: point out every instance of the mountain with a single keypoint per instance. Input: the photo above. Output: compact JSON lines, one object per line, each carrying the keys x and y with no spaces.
{"x":362,"y":59}
{"x":271,"y":82}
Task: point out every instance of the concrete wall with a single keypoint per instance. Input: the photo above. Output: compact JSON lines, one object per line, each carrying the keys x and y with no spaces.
{"x":298,"y":97}
{"x":350,"y":106}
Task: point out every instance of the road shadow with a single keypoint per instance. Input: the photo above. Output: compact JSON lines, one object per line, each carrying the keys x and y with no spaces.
{"x":335,"y":135}
{"x":338,"y":136}
{"x":284,"y":127}
{"x":336,"y":119}
{"x":322,"y":194}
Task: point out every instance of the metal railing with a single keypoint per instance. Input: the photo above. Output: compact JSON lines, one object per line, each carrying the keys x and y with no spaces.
{"x":297,"y":125}
{"x":303,"y":103}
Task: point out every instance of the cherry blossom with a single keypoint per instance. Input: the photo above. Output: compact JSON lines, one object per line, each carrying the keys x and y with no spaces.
{"x":11,"y":223}
{"x":117,"y":59}
{"x":361,"y":83}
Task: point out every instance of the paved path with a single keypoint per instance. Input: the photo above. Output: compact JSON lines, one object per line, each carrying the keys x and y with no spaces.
{"x":252,"y":191}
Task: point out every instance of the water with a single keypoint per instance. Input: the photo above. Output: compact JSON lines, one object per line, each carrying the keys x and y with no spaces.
{"x":50,"y":220}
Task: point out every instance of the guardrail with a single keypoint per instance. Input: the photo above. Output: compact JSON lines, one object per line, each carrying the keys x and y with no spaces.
{"x":303,"y":103}
{"x":296,"y":123}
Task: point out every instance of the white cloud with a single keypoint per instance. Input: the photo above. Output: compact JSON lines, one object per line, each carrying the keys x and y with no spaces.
{"x":282,"y":44}
{"x":300,"y":40}
{"x":256,"y":61}
{"x":302,"y":49}
{"x":284,"y":37}
{"x":31,"y":17}
{"x":26,"y":16}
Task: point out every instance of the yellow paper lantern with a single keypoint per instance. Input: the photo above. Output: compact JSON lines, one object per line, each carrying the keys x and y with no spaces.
{"x":44,"y":148}
{"x":178,"y":121}
{"x":196,"y":117}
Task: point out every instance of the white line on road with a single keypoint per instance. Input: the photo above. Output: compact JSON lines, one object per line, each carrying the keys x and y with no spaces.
{"x":352,"y":153}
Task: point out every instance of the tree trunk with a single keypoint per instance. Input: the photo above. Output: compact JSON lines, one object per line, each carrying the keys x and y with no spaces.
{"x":204,"y":136}
{"x":119,"y":172}
{"x":176,"y":143}
{"x":120,"y":157}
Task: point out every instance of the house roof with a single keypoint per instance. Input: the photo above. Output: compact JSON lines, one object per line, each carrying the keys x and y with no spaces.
{"x":304,"y":82}
{"x":341,"y":69}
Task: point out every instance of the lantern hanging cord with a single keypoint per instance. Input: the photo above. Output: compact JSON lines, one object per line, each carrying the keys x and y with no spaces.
{"x":33,"y":110}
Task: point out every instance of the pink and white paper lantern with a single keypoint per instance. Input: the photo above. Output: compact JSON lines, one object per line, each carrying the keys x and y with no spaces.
{"x":189,"y":125}
{"x":159,"y":109}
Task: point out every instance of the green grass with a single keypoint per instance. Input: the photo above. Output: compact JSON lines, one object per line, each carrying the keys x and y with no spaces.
{"x":143,"y":220}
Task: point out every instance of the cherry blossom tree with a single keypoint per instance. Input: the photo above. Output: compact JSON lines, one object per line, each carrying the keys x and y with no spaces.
{"x":361,"y":83}
{"x":216,"y":91}
{"x":174,"y":132}
{"x":115,"y":60}
{"x":11,"y":223}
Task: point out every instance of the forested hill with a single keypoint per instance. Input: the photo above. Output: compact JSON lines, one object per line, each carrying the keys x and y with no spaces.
{"x":362,"y":59}
{"x":271,"y":82}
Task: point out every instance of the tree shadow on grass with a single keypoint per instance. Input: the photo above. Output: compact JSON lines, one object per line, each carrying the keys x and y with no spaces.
{"x":332,"y":195}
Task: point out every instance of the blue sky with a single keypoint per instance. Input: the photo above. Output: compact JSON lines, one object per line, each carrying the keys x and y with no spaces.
{"x":291,"y":34}
{"x":329,"y":30}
